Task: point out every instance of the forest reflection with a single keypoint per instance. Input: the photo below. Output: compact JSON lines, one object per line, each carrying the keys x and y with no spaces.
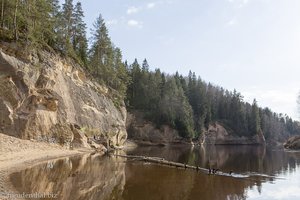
{"x":98,"y":177}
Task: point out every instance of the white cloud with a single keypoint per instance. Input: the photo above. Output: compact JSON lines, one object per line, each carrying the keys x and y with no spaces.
{"x":240,"y":3}
{"x":133,"y":10}
{"x":232,"y":22}
{"x":135,"y":23}
{"x":112,"y":22}
{"x":151,"y":5}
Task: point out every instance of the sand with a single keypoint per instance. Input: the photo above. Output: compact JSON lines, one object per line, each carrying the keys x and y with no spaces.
{"x":17,"y":154}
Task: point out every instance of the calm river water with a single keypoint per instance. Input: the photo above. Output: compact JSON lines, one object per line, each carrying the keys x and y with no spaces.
{"x":259,"y":173}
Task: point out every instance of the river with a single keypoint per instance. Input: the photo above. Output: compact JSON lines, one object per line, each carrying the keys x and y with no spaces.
{"x":258,"y":173}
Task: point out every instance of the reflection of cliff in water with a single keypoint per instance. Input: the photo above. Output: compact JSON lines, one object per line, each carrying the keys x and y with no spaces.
{"x":85,"y":177}
{"x":94,"y":177}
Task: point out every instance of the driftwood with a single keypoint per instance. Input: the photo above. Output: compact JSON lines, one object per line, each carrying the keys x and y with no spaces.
{"x":162,"y":161}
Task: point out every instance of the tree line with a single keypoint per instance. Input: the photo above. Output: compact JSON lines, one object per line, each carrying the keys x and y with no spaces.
{"x":188,"y":104}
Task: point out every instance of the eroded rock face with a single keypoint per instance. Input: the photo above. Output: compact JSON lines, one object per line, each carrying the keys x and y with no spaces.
{"x":217,"y":134}
{"x":293,"y":143}
{"x":43,"y":99}
{"x":145,"y":132}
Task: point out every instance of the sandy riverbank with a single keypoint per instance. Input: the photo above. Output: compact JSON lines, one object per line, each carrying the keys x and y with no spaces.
{"x":17,"y":154}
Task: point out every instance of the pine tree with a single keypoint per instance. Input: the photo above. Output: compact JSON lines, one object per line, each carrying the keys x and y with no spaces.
{"x":133,"y":91}
{"x":57,"y":25}
{"x":175,"y":109}
{"x":43,"y":24}
{"x":145,"y":66}
{"x":68,"y":24}
{"x":101,"y":53}
{"x":122,"y":79}
{"x":79,"y":40}
{"x":255,"y":118}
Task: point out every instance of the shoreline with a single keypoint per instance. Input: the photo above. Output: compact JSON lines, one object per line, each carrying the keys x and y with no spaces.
{"x":17,"y":154}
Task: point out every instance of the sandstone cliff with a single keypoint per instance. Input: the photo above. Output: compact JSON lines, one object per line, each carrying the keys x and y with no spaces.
{"x":143,"y":131}
{"x":217,"y":134}
{"x":50,"y":99}
{"x":293,"y":143}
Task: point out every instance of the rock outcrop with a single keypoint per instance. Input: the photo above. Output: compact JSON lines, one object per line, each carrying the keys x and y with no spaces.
{"x":217,"y":134}
{"x":293,"y":143}
{"x":145,"y":132}
{"x":48,"y":98}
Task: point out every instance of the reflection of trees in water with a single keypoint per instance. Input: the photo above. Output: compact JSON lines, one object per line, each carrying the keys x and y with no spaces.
{"x":240,"y":159}
{"x":168,"y":183}
{"x":85,"y":177}
{"x":158,"y":182}
{"x":94,"y":177}
{"x":243,"y":159}
{"x":236,"y":158}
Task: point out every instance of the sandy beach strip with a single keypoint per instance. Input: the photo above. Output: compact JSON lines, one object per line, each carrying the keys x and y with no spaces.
{"x":17,"y":154}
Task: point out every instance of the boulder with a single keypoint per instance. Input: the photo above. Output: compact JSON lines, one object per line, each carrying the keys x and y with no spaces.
{"x":98,"y":147}
{"x":79,"y":139}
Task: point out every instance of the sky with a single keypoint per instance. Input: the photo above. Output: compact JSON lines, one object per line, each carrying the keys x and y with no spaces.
{"x":252,"y":46}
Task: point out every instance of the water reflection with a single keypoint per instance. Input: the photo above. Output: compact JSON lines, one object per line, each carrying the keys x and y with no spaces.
{"x":94,"y":177}
{"x":85,"y":177}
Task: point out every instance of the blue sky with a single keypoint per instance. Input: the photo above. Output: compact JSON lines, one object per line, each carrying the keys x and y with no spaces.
{"x":250,"y":45}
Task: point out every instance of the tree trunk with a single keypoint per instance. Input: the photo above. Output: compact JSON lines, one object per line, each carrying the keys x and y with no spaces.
{"x":162,"y":161}
{"x":15,"y":20}
{"x":2,"y":14}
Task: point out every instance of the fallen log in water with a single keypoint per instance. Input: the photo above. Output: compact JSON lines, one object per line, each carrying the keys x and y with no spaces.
{"x":162,"y":161}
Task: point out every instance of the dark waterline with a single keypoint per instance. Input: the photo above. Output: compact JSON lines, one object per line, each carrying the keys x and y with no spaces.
{"x":94,"y":177}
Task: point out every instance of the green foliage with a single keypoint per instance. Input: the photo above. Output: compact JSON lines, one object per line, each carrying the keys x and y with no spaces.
{"x":79,"y":40}
{"x":163,"y":99}
{"x":106,"y":60}
{"x":255,"y":123}
{"x":186,"y":103}
{"x":190,"y":105}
